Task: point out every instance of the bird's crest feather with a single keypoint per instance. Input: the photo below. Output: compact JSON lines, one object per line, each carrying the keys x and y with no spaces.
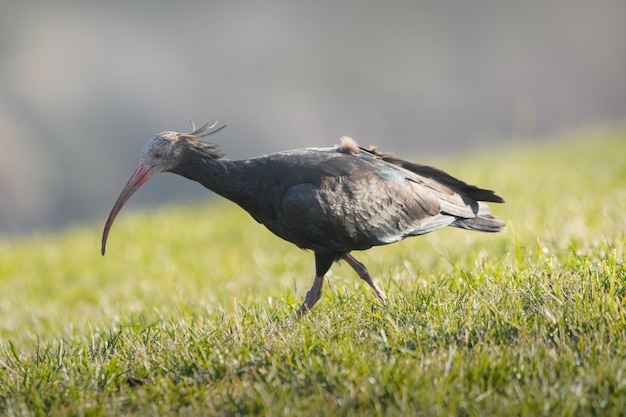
{"x":204,"y":130}
{"x":209,"y":149}
{"x":348,"y":145}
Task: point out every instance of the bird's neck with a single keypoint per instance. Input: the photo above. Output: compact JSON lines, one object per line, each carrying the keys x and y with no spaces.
{"x":230,"y":179}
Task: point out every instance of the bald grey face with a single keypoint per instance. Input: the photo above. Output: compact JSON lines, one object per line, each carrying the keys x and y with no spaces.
{"x":160,"y":152}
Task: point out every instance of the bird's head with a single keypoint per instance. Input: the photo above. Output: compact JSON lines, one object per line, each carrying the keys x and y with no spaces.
{"x":161,"y":154}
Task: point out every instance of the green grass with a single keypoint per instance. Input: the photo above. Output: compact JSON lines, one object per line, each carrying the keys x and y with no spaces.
{"x":185,"y":314}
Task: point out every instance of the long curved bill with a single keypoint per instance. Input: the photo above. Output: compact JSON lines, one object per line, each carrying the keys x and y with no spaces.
{"x":140,"y":176}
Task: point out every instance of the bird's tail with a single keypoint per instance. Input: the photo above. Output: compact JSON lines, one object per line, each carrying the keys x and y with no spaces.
{"x":484,"y":221}
{"x":481,"y":223}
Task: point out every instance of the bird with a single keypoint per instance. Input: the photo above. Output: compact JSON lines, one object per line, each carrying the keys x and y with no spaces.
{"x":332,"y":200}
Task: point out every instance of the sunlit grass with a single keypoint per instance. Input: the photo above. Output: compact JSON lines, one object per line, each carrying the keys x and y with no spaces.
{"x":186,"y":312}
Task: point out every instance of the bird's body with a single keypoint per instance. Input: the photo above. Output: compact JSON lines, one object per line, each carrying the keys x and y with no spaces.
{"x":329,"y":200}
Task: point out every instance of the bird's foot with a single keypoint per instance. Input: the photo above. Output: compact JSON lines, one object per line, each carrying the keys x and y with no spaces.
{"x":312,"y":297}
{"x":379,"y":292}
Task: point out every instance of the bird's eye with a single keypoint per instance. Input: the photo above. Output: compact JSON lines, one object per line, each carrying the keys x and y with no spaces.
{"x":158,"y":155}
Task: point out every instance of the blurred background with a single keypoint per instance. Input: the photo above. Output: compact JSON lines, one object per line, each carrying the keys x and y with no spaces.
{"x":84,"y":85}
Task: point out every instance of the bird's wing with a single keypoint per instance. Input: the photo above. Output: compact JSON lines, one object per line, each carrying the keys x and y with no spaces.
{"x":372,"y":203}
{"x":466,"y":190}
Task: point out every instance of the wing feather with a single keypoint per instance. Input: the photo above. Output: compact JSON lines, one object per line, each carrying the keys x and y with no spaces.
{"x":377,"y":206}
{"x":356,"y":201}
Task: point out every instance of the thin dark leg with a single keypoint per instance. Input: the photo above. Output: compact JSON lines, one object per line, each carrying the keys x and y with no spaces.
{"x":322,"y":265}
{"x":364,"y":275}
{"x":312,"y":296}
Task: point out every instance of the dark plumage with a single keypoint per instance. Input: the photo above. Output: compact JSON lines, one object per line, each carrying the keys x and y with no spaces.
{"x":329,"y":200}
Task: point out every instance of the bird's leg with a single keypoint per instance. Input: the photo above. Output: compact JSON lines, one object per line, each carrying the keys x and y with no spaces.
{"x":312,"y":296}
{"x":322,"y":265}
{"x":364,"y":275}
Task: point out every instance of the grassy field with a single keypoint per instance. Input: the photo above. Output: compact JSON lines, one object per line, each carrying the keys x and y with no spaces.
{"x":185,"y":315}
